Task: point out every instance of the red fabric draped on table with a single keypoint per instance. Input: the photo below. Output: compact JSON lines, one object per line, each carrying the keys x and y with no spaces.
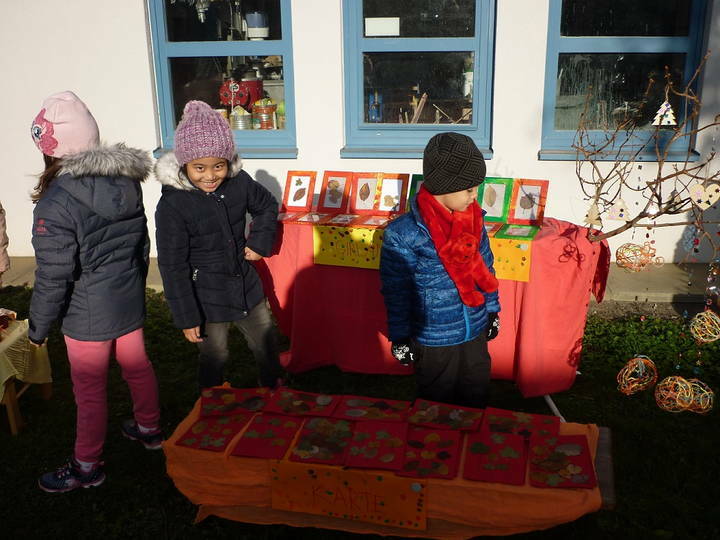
{"x":335,"y":315}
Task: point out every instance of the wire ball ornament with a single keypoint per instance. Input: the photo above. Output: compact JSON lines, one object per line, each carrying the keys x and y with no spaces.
{"x":702,"y":398}
{"x":637,"y":374}
{"x":636,"y":258}
{"x":674,"y":394}
{"x":705,"y":326}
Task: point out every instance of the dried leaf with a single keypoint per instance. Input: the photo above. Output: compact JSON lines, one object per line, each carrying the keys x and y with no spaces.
{"x":299,"y":194}
{"x":364,"y":192}
{"x":489,"y":196}
{"x":526,"y":202}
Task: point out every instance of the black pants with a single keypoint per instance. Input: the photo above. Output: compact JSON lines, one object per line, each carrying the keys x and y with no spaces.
{"x":261,"y":336}
{"x":457,"y":374}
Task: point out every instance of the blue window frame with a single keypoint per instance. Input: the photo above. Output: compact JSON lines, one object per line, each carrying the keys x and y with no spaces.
{"x":600,"y":55}
{"x":199,"y":45}
{"x":397,"y":50}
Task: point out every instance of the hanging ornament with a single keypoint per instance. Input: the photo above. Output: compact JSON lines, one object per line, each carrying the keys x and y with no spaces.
{"x":635,"y":258}
{"x":674,"y":394}
{"x":665,"y":116}
{"x":593,"y":216}
{"x":712,"y":291}
{"x":687,"y":241}
{"x":638,"y":374}
{"x":618,"y":211}
{"x":705,"y":327}
{"x":704,"y":197}
{"x":702,"y":397}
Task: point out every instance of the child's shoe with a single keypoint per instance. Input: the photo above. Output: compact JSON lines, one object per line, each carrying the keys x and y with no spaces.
{"x":151,"y":441}
{"x":70,"y":476}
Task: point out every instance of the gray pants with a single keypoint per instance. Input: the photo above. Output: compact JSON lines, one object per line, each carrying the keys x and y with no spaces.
{"x":261,"y":337}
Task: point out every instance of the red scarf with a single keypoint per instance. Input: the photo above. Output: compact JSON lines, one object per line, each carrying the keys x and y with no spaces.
{"x":457,"y":236}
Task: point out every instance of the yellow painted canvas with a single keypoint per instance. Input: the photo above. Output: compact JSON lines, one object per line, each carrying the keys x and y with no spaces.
{"x":369,"y":496}
{"x":512,"y":258}
{"x":347,"y":246}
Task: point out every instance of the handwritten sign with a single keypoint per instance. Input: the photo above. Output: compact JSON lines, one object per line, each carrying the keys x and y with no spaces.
{"x":370,"y":496}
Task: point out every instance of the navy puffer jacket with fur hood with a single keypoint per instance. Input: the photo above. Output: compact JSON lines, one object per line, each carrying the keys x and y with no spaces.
{"x":201,"y":243}
{"x":91,"y":246}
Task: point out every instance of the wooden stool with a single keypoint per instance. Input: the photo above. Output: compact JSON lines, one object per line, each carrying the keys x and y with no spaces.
{"x":10,"y":400}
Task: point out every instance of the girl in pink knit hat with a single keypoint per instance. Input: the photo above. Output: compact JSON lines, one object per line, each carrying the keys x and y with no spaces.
{"x":91,"y":248}
{"x":205,"y":259}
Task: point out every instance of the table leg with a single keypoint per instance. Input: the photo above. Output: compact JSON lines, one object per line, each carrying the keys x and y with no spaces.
{"x":46,"y":390}
{"x":13,"y":410}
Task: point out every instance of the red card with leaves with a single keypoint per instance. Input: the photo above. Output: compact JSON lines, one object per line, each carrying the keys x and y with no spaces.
{"x":323,"y":440}
{"x":214,"y":433}
{"x":223,"y":400}
{"x":443,"y":416}
{"x":360,"y":408}
{"x":377,"y":445}
{"x":561,"y":462}
{"x":268,"y":436}
{"x":495,"y":457}
{"x":520,"y":423}
{"x":286,"y":401}
{"x":431,"y":453}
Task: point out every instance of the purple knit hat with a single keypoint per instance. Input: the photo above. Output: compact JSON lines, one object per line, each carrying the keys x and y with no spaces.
{"x":202,"y":133}
{"x":64,"y":126}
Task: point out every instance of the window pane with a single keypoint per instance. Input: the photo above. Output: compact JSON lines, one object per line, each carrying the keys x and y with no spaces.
{"x":616,"y":85}
{"x":625,"y":17}
{"x":205,"y":78}
{"x":222,"y":20}
{"x":410,"y":18}
{"x":395,"y":83}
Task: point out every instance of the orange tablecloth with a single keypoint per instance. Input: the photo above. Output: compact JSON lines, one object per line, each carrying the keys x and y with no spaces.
{"x":238,"y":488}
{"x":335,"y":315}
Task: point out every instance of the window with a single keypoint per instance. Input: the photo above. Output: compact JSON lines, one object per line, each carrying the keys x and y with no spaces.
{"x":601,"y":55}
{"x":230,"y":54}
{"x":415,"y":68}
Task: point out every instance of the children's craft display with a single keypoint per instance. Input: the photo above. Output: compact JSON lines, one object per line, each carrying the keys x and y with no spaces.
{"x":214,"y":433}
{"x":494,"y":197}
{"x":674,"y":394}
{"x":335,"y":192}
{"x":705,"y":326}
{"x":416,"y":181}
{"x":377,"y":445}
{"x":222,"y":401}
{"x":635,"y":258}
{"x":520,"y":423}
{"x":702,"y":397}
{"x":267,"y":436}
{"x":443,"y":416}
{"x":299,"y":191}
{"x":286,"y":401}
{"x":364,"y":194}
{"x":347,"y":246}
{"x":366,"y":408}
{"x":431,"y":453}
{"x":380,"y":497}
{"x":527,"y":203}
{"x":519,"y":232}
{"x":637,"y":374}
{"x":323,"y":440}
{"x":495,"y":457}
{"x":512,"y":258}
{"x":492,"y":228}
{"x":561,"y":461}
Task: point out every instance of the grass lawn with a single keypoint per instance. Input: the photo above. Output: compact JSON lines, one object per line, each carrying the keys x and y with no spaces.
{"x":667,"y":466}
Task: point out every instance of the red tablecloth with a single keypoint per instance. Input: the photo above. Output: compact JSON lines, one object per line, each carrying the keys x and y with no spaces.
{"x":335,"y":315}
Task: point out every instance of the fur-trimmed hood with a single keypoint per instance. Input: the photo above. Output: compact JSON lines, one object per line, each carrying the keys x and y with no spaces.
{"x":168,"y":172}
{"x":113,"y":160}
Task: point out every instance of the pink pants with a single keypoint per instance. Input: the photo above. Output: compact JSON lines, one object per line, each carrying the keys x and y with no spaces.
{"x":89,"y":363}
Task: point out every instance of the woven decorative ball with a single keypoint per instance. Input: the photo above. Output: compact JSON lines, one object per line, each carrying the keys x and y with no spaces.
{"x":702,"y":398}
{"x":637,"y":374}
{"x":630,"y":257}
{"x":705,"y":326}
{"x":674,"y":394}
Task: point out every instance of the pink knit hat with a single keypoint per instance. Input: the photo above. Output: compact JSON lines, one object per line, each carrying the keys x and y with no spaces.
{"x":202,"y":133}
{"x":64,"y":126}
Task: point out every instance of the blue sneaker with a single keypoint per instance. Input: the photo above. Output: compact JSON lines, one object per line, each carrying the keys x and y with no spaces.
{"x":151,"y":441}
{"x":70,"y":476}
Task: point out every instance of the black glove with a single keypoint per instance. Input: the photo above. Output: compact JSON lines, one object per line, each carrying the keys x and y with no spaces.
{"x":493,"y":326}
{"x":403,"y":353}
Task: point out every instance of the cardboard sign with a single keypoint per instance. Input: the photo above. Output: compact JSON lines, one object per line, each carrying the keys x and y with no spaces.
{"x":369,"y":496}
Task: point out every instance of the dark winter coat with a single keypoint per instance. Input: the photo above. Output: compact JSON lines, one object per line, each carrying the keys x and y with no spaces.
{"x":422,"y":301}
{"x":201,"y":244}
{"x":91,"y":246}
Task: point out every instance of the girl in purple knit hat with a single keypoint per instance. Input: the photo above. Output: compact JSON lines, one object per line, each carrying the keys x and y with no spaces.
{"x":203,"y":253}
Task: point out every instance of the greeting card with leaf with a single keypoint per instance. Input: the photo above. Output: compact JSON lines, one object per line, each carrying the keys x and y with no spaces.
{"x":335,"y":192}
{"x":494,"y":197}
{"x":563,"y":461}
{"x":527,"y":204}
{"x":443,"y":416}
{"x":364,"y":195}
{"x":286,"y":401}
{"x":431,"y":453}
{"x":214,"y":433}
{"x":322,"y":440}
{"x":520,"y":423}
{"x":392,"y":194}
{"x":299,"y":191}
{"x":361,"y":408}
{"x":223,"y":400}
{"x":377,"y":445}
{"x":495,"y":457}
{"x":267,"y":436}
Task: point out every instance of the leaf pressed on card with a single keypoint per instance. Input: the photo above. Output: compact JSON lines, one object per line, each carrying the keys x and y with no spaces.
{"x":364,"y":192}
{"x":299,"y":194}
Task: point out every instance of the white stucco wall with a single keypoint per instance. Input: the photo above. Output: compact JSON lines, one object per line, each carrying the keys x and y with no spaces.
{"x":100,"y":50}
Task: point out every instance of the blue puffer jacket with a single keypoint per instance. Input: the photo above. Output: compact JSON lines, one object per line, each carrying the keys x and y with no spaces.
{"x":91,"y":246}
{"x":422,"y":301}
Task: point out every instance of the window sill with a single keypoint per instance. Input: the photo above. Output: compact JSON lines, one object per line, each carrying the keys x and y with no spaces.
{"x":250,"y":153}
{"x":389,"y":152}
{"x":547,"y":154}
